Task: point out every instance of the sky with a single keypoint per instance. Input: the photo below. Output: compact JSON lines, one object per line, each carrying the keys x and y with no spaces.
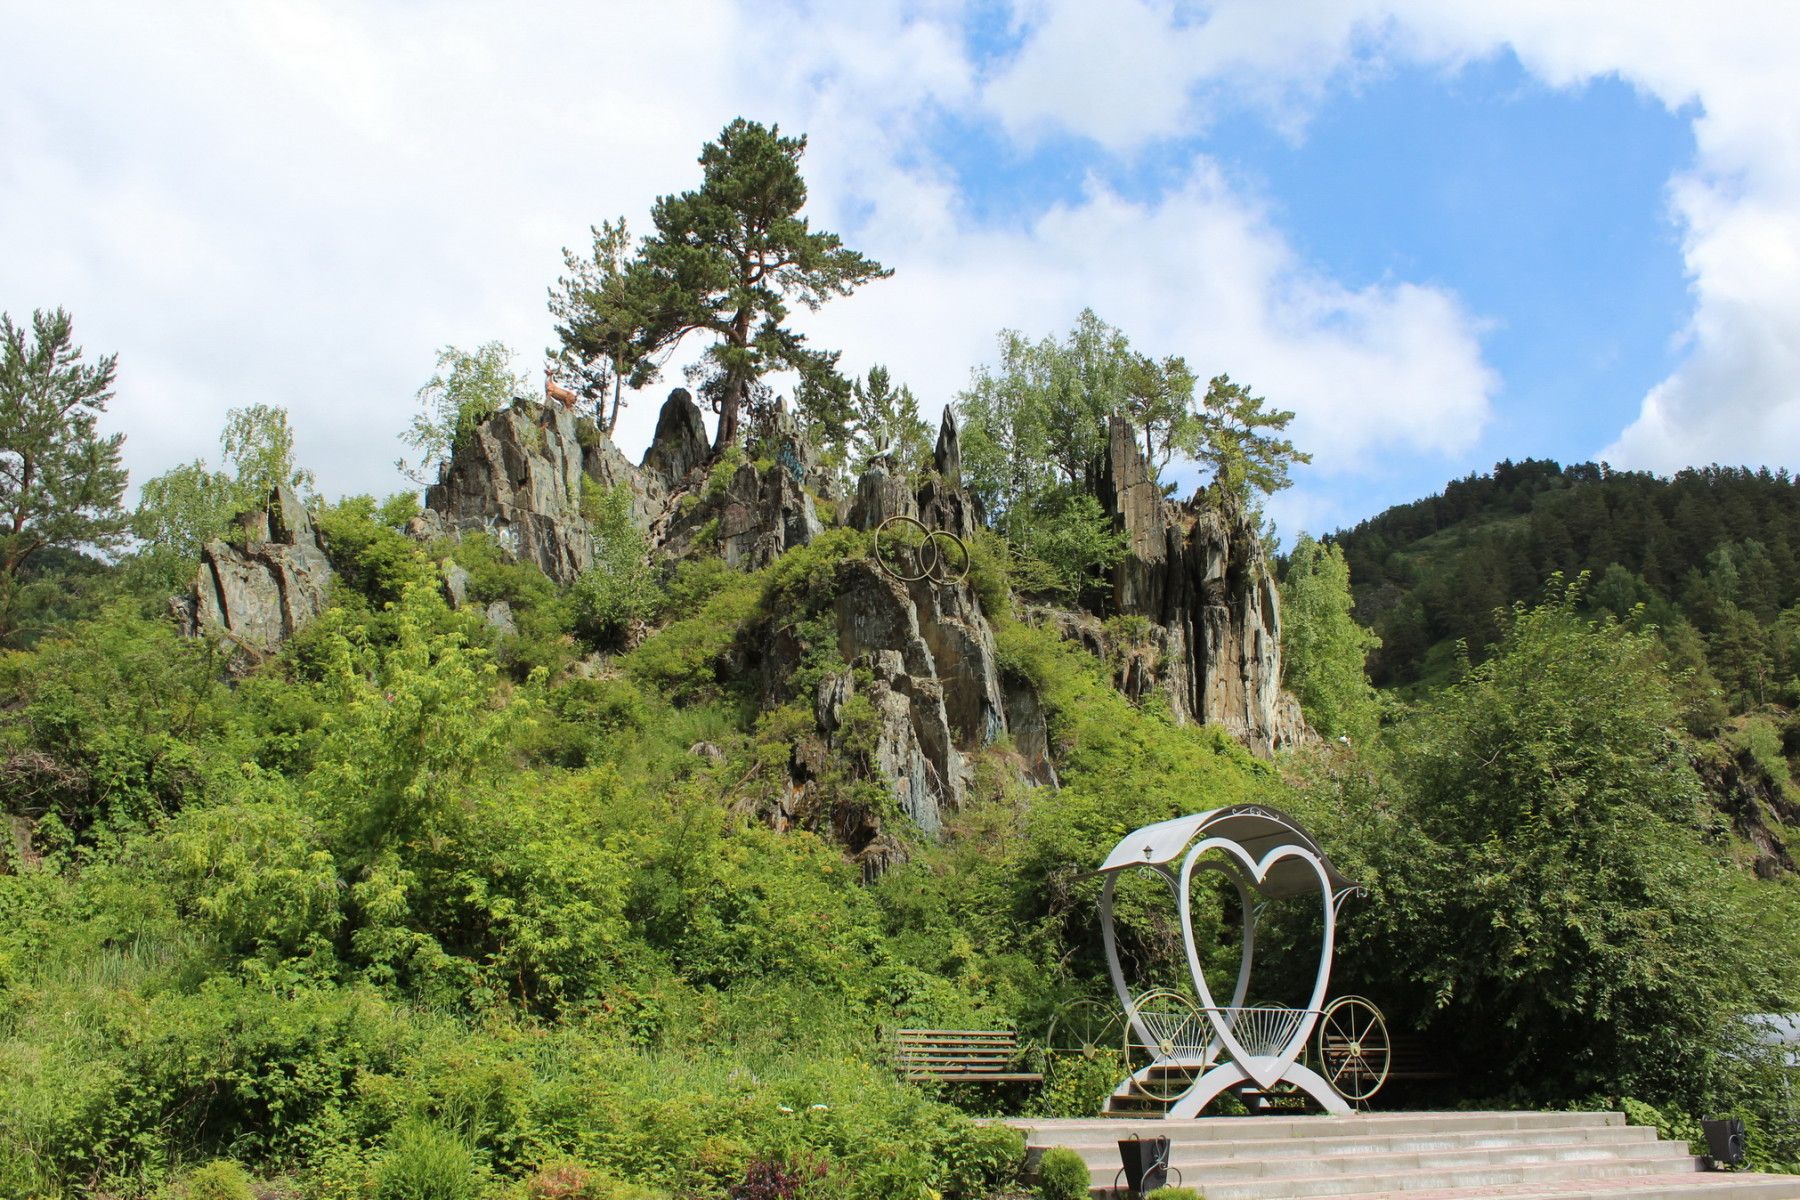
{"x":1442,"y":232}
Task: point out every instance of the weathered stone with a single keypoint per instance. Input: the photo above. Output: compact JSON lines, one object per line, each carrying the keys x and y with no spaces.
{"x":456,"y":583}
{"x":1030,"y":732}
{"x":881,"y":494}
{"x":749,"y":522}
{"x":499,"y":615}
{"x":262,"y":592}
{"x":679,"y":444}
{"x":288,"y":520}
{"x":948,"y":457}
{"x":517,"y":477}
{"x":1199,"y":575}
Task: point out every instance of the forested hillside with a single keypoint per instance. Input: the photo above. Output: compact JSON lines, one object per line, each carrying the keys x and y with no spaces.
{"x":1710,"y":553}
{"x":583,"y":827}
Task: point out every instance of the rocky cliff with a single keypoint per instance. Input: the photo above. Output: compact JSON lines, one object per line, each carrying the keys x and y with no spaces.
{"x":922,"y":653}
{"x":262,"y":586}
{"x":1199,"y":577}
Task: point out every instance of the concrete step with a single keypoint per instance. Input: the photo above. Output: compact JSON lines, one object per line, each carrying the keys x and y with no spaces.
{"x":1377,"y":1179}
{"x":1371,"y":1142}
{"x":1418,"y":1155}
{"x":1707,"y":1185}
{"x":1212,"y":1171}
{"x":1261,"y":1128}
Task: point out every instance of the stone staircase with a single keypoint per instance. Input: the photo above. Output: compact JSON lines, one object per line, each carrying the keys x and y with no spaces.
{"x":1421,"y":1156}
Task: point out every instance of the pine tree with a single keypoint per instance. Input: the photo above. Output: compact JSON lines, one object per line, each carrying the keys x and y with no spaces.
{"x":62,"y":484}
{"x":727,"y":259}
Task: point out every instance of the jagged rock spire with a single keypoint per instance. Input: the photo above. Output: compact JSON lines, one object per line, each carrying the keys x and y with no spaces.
{"x":949,"y":450}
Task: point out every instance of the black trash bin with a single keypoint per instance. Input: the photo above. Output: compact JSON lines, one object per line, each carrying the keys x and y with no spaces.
{"x":1725,"y":1139}
{"x":1146,"y":1163}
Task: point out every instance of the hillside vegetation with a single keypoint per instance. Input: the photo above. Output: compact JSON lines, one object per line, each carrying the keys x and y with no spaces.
{"x":585,"y":834}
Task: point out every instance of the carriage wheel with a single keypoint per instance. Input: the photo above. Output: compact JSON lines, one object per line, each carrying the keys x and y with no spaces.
{"x":1081,"y":1031}
{"x":1165,"y":1036}
{"x":1353,"y":1047}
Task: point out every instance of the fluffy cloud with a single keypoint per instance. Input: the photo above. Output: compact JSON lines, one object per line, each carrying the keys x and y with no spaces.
{"x":1735,"y":397}
{"x":299,"y":203}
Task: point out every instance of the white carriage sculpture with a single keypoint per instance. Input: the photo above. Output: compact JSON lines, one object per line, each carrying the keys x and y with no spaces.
{"x":1181,"y":1055}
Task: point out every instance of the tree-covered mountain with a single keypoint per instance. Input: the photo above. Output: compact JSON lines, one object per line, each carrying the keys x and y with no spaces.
{"x":1713,"y":555}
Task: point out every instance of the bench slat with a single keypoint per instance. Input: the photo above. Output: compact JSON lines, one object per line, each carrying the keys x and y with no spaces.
{"x":959,"y":1056}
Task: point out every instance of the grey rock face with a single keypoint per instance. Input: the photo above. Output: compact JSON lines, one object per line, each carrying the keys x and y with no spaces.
{"x":881,"y":494}
{"x":261,"y":593}
{"x":456,"y":583}
{"x":499,"y":615}
{"x":936,"y":683}
{"x":750,"y":522}
{"x":1201,"y":578}
{"x":518,"y":478}
{"x":680,"y":442}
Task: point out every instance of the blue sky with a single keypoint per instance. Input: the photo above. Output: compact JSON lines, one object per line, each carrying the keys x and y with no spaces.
{"x":1443,"y":233}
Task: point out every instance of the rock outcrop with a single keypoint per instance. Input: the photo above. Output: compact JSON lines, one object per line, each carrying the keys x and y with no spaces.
{"x":518,"y":477}
{"x":264,"y":586}
{"x":1198,"y":574}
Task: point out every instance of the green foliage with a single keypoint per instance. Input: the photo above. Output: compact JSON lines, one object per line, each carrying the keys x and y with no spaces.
{"x":1063,"y":1175}
{"x":884,"y":420}
{"x":468,"y":388}
{"x":255,"y":876}
{"x":1324,"y":652}
{"x":220,"y":1179}
{"x":619,"y":588}
{"x":1174,"y":1193}
{"x":683,"y":660}
{"x":1537,"y":888}
{"x":1709,"y":554}
{"x":371,"y":559}
{"x":62,"y":483}
{"x":109,"y":729}
{"x":426,"y":1162}
{"x":256,"y":448}
{"x":182,"y":509}
{"x":727,"y":259}
{"x":1232,"y":442}
{"x":1062,"y":540}
{"x":600,"y":321}
{"x":1758,"y":738}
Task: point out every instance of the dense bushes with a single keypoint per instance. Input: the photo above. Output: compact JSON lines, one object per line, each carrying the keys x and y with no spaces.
{"x":425,"y":908}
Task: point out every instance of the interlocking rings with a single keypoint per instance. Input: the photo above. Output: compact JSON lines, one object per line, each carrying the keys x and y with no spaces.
{"x":910,"y":552}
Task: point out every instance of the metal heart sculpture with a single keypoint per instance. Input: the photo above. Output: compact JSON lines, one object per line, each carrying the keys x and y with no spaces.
{"x":1265,"y":1069}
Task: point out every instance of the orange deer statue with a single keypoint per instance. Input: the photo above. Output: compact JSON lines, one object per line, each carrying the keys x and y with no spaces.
{"x":556,"y":391}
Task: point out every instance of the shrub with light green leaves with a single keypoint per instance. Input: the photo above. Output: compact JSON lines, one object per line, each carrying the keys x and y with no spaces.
{"x":1063,"y":1175}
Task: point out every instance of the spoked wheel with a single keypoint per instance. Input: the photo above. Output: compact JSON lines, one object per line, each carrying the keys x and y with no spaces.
{"x":1353,"y":1047}
{"x":1081,"y":1032}
{"x":1165,"y":1038}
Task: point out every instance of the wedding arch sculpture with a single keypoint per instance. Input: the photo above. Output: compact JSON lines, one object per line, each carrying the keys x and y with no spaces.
{"x":1185,"y":1055}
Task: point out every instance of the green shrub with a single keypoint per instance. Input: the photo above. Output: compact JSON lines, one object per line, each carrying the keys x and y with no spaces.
{"x":221,"y":1179}
{"x":1759,"y":738}
{"x":425,"y":1162}
{"x":1174,"y":1193}
{"x":619,"y":587}
{"x":1063,"y":1175}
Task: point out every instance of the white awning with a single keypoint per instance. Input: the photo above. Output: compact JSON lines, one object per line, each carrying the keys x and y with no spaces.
{"x":1254,"y":827}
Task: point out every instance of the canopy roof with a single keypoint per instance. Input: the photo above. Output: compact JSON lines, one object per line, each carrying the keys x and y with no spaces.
{"x":1254,"y":827}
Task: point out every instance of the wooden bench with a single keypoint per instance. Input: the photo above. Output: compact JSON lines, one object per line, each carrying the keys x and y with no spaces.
{"x":1409,"y":1057}
{"x":959,"y":1056}
{"x":1412,"y":1057}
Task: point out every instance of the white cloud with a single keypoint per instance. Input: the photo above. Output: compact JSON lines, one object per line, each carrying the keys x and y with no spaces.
{"x":297,"y":204}
{"x":1735,"y":397}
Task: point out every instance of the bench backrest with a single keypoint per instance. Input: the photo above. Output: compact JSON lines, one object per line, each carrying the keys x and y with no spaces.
{"x":955,"y":1051}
